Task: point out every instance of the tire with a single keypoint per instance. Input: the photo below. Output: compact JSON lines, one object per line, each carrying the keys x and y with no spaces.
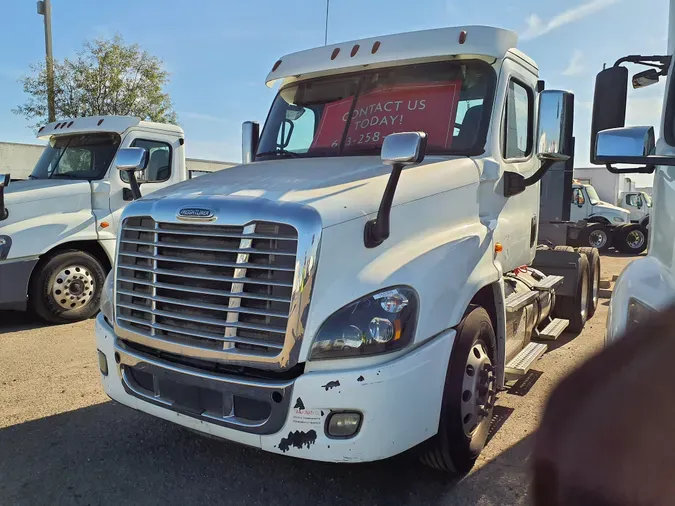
{"x":631,"y":239}
{"x":456,"y":446}
{"x":575,"y":309}
{"x":67,"y":287}
{"x":593,"y":257}
{"x":596,"y":235}
{"x":568,"y":249}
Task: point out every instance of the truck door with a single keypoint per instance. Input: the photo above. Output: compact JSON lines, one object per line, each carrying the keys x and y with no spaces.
{"x":634,"y":203}
{"x":166,"y":166}
{"x":580,"y":204}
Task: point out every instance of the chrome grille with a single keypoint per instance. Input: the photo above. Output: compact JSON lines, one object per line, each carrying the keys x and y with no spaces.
{"x":209,"y":287}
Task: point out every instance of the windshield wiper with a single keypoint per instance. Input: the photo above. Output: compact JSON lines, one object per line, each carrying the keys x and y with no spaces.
{"x":278,"y":152}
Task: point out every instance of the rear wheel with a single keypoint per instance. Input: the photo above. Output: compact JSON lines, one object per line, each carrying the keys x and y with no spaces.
{"x":631,"y":239}
{"x":67,"y":287}
{"x":575,"y":308}
{"x":596,"y":235}
{"x":593,"y":257}
{"x":468,"y":398}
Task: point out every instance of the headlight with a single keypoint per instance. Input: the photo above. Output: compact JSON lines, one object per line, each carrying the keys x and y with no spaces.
{"x":5,"y":244}
{"x":638,"y":314}
{"x":378,"y":323}
{"x":619,"y":219}
{"x":107,"y":300}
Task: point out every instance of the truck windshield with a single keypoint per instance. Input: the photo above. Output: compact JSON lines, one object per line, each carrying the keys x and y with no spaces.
{"x":592,"y":195}
{"x":351,"y":115}
{"x":83,"y":156}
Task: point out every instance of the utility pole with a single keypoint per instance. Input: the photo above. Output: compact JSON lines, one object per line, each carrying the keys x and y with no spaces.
{"x":325,"y":37}
{"x":44,"y":8}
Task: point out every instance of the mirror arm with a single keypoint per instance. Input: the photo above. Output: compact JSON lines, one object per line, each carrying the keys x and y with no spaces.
{"x":377,"y":231}
{"x":4,"y":213}
{"x":133,"y":182}
{"x":536,"y":177}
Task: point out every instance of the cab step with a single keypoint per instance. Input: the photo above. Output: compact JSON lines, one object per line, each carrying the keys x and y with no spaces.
{"x":553,"y":330}
{"x":517,"y":301}
{"x":522,"y":362}
{"x":549,"y":283}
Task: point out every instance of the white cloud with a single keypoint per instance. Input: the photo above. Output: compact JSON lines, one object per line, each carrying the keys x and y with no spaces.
{"x":537,"y":27}
{"x":201,"y":117}
{"x":575,"y":66}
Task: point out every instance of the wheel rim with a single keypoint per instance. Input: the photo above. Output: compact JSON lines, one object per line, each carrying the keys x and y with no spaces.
{"x":635,"y":239}
{"x":73,"y":287}
{"x":584,"y":295}
{"x":597,"y":239}
{"x":478,"y":388}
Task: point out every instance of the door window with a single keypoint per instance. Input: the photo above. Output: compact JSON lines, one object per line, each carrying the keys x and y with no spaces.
{"x":578,"y":197}
{"x":159,"y":162}
{"x":518,"y":120}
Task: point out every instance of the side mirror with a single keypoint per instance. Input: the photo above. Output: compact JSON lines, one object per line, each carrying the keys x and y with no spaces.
{"x":645,"y":78}
{"x":250,"y":135}
{"x":626,"y":145}
{"x":130,"y":160}
{"x":554,"y":128}
{"x":398,"y":150}
{"x":555,"y":139}
{"x":609,"y":103}
{"x":4,"y":182}
{"x":405,"y":148}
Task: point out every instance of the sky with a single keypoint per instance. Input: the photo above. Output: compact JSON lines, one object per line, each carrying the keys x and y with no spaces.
{"x":219,"y":52}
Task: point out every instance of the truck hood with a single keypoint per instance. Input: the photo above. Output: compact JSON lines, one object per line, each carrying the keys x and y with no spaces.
{"x":340,"y":189}
{"x":608,"y":209}
{"x":34,"y":190}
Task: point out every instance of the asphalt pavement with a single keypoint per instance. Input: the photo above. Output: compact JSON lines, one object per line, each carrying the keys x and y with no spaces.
{"x":62,"y":441}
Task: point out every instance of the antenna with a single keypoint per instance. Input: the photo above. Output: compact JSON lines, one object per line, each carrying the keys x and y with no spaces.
{"x":325,"y":37}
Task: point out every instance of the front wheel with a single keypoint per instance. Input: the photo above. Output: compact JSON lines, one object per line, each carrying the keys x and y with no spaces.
{"x":67,"y":287}
{"x":468,"y":398}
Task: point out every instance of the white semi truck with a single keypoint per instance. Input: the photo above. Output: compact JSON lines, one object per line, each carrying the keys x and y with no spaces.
{"x":58,"y":229}
{"x":647,"y":284}
{"x":371,"y":277}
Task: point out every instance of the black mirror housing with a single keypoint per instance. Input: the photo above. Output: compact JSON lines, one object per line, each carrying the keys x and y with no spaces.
{"x":609,"y":103}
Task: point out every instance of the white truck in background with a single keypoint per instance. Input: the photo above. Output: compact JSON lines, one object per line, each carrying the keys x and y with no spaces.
{"x":647,"y":284}
{"x":58,"y":229}
{"x":371,"y":277}
{"x":607,"y":225}
{"x":618,"y":189}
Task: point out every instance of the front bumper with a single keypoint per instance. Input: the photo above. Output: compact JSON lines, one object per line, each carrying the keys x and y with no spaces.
{"x":14,"y":279}
{"x":400,"y":402}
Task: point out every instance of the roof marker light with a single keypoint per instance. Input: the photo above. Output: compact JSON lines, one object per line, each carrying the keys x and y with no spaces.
{"x":99,"y":122}
{"x":462,"y":37}
{"x":57,"y":126}
{"x":376,"y":46}
{"x":276,"y":65}
{"x":355,"y":50}
{"x":336,"y":52}
{"x":41,"y":129}
{"x":70,"y":124}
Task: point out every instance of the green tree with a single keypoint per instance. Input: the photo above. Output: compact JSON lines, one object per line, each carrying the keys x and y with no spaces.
{"x":107,"y":77}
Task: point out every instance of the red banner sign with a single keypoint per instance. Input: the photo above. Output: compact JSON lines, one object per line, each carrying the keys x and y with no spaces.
{"x":429,"y":108}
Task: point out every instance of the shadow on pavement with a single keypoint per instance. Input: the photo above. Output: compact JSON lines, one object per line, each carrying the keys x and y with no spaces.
{"x":16,"y":321}
{"x":109,"y":454}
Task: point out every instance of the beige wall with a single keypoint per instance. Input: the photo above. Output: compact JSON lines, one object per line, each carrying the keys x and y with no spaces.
{"x":19,"y":160}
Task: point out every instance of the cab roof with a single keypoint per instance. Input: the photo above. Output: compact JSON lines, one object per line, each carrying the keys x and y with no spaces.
{"x":117,"y":124}
{"x":409,"y":47}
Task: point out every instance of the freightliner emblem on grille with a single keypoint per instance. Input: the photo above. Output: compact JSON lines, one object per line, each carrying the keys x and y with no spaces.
{"x":196,"y":213}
